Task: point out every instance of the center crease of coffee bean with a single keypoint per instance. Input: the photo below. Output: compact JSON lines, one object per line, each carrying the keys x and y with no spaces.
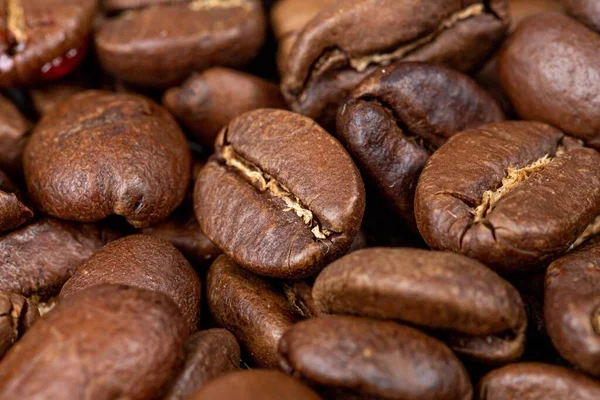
{"x":16,"y":26}
{"x":265,"y":183}
{"x":591,"y":230}
{"x":514,"y":177}
{"x":197,"y":5}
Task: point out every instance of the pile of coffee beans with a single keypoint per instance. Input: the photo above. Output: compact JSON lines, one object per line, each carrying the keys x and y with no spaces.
{"x":300,"y":199}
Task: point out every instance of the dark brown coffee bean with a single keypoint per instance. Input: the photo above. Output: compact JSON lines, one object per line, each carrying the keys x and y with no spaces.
{"x":13,"y":213}
{"x":160,"y":43}
{"x":106,"y":342}
{"x":399,"y":115}
{"x":547,"y":68}
{"x":373,"y":358}
{"x":209,"y":354}
{"x":183,"y":231}
{"x":42,"y":40}
{"x":255,"y":384}
{"x":510,"y":194}
{"x":145,"y":262}
{"x":299,"y":295}
{"x":480,"y":314}
{"x":250,"y":308}
{"x":572,"y":306}
{"x":13,"y":128}
{"x":100,"y":153}
{"x":37,"y":259}
{"x":586,"y":11}
{"x":280,"y":196}
{"x":17,"y":314}
{"x":288,"y":18}
{"x":349,"y":39}
{"x":207,"y":102}
{"x":536,"y":381}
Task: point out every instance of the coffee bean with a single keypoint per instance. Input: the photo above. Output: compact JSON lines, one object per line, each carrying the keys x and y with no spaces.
{"x":106,"y":342}
{"x":547,"y":68}
{"x":348,"y":40}
{"x":255,"y":384}
{"x":37,"y":259}
{"x":299,"y":295}
{"x":144,"y":262}
{"x":209,"y":354}
{"x":99,"y":154}
{"x":17,"y":314}
{"x":511,"y":195}
{"x":207,"y":102}
{"x":521,"y":9}
{"x":571,"y":306}
{"x":372,"y":358}
{"x":250,"y":308}
{"x":13,"y":128}
{"x":13,"y":213}
{"x":159,"y":43}
{"x":534,"y":381}
{"x":479,"y":315}
{"x":586,"y":11}
{"x":43,"y":40}
{"x":280,"y":196}
{"x":399,"y":115}
{"x":46,"y":97}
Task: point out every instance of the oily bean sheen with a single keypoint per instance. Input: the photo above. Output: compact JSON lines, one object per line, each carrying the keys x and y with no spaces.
{"x":206,"y":102}
{"x":586,"y":11}
{"x":145,"y":262}
{"x":536,"y":381}
{"x":480,"y":314}
{"x":255,"y":384}
{"x":17,"y":314}
{"x":361,"y":356}
{"x":37,"y":259}
{"x":549,"y":69}
{"x":280,"y":196}
{"x":107,"y":342}
{"x":510,"y":194}
{"x":349,"y":39}
{"x":42,"y":40}
{"x":158,"y":43}
{"x":209,"y":354}
{"x":399,"y":115}
{"x":572,"y":306}
{"x":13,"y":128}
{"x":13,"y":213}
{"x":249,"y":307}
{"x":100,"y":153}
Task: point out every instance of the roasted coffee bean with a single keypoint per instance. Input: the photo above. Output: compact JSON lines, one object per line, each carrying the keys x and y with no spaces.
{"x":479,"y":314}
{"x":349,"y":39}
{"x":372,"y":358}
{"x":17,"y":314}
{"x":511,"y":195}
{"x":299,"y":295}
{"x":46,"y":97}
{"x":255,"y":384}
{"x":106,"y":342}
{"x":586,"y":11}
{"x":209,"y":354}
{"x":207,"y":102}
{"x":548,"y":68}
{"x":158,"y":43}
{"x":288,"y":18}
{"x":399,"y":115}
{"x":250,"y":308}
{"x":100,"y":153}
{"x":37,"y":259}
{"x":183,"y":231}
{"x":13,"y":128}
{"x":536,"y":381}
{"x":280,"y":196}
{"x":13,"y":213}
{"x":145,"y":262}
{"x":572,"y":306}
{"x":43,"y":40}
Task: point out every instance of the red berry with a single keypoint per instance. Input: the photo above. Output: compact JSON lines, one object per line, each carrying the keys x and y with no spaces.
{"x":65,"y":64}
